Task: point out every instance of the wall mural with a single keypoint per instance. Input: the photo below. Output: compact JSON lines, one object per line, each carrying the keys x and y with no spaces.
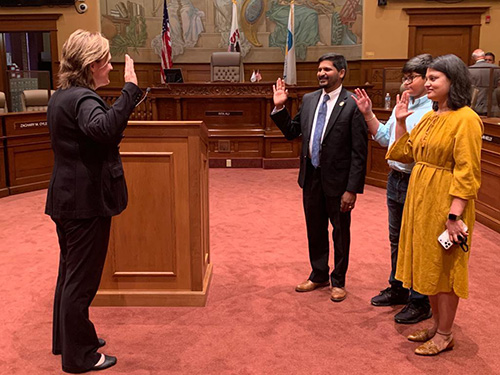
{"x":200,"y":27}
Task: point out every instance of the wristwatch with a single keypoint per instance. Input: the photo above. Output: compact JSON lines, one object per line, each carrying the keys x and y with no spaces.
{"x":454,"y":217}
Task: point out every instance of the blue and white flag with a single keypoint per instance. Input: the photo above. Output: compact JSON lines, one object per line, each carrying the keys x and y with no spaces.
{"x":290,"y":71}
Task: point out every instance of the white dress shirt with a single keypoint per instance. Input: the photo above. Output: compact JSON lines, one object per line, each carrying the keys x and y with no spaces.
{"x":334,"y":95}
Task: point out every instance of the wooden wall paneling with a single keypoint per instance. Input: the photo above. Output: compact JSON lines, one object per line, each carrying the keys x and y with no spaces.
{"x":488,"y":202}
{"x":377,"y":168}
{"x":29,"y":153}
{"x":373,"y":73}
{"x":439,"y":31}
{"x":4,"y":191}
{"x":159,"y":249}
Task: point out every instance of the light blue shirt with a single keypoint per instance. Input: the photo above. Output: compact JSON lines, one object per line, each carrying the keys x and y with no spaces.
{"x":386,"y":133}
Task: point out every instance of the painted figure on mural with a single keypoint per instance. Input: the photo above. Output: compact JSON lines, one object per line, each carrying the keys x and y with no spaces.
{"x":318,"y":24}
{"x":347,"y":23}
{"x":306,"y":26}
{"x":186,"y":25}
{"x":345,"y":20}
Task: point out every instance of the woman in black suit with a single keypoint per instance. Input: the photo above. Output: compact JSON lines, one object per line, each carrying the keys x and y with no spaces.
{"x":86,"y":189}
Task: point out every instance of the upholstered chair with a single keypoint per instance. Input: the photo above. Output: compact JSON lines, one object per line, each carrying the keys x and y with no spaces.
{"x":3,"y":103}
{"x":226,"y":67}
{"x":34,"y":100}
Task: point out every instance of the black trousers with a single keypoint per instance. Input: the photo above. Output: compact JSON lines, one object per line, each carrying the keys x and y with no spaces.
{"x":319,"y":209}
{"x":83,"y":244}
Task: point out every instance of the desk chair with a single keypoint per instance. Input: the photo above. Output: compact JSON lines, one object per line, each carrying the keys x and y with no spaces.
{"x":226,"y":67}
{"x":3,"y":103}
{"x":35,"y":100}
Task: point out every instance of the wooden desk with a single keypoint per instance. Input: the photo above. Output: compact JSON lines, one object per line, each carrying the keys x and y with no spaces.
{"x":241,"y":132}
{"x":28,"y":152}
{"x":377,"y":168}
{"x":3,"y":173}
{"x":488,"y":202}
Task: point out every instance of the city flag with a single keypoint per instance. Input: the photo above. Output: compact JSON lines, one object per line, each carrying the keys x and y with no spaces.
{"x":234,"y":34}
{"x":166,"y":43}
{"x":290,"y":73}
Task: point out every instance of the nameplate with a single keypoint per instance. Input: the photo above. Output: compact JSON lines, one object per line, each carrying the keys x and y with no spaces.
{"x":491,"y":139}
{"x":223,"y":113}
{"x":30,"y":125}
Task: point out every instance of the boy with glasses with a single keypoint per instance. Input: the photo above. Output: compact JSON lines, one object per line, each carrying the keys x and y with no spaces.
{"x":417,"y":305}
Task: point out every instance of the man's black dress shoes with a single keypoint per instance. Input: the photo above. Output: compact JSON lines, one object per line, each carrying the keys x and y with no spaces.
{"x":390,"y":297}
{"x":414,"y":312}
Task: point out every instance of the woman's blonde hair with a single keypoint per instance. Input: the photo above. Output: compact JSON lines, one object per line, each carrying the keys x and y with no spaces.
{"x":81,"y":50}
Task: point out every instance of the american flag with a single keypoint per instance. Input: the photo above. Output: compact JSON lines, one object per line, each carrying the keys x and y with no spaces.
{"x":166,"y":44}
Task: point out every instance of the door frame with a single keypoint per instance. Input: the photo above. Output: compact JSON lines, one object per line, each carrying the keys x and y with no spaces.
{"x":29,"y":22}
{"x":453,"y":16}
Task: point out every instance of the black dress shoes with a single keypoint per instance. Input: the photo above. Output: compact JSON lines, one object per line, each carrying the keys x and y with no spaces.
{"x":109,"y":361}
{"x":414,"y":312}
{"x":390,"y":297}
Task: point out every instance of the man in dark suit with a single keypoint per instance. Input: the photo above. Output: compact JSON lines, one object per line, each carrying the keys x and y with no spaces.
{"x":332,"y":167}
{"x":485,"y":78}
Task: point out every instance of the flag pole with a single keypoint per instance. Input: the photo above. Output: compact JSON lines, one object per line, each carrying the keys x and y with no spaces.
{"x":290,"y":70}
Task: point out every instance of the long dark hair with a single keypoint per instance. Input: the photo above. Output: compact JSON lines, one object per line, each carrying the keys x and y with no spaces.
{"x":457,"y":72}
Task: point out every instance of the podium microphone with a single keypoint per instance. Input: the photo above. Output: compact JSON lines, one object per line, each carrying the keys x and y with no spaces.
{"x":144,"y":97}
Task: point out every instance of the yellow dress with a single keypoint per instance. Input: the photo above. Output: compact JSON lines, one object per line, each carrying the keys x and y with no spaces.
{"x":447,"y":151}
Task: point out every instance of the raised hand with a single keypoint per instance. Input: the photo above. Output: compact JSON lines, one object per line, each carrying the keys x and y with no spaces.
{"x":363,"y":102}
{"x":401,"y":110}
{"x":129,"y":74}
{"x":280,"y":94}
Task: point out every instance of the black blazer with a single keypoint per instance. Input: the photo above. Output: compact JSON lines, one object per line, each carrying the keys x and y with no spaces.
{"x":344,"y":147}
{"x":87,"y":179}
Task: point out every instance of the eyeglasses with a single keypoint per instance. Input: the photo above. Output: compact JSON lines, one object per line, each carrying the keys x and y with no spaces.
{"x":409,"y":79}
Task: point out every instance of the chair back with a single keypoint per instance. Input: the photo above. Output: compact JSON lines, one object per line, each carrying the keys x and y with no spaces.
{"x":226,"y":67}
{"x":35,"y":100}
{"x":3,"y":103}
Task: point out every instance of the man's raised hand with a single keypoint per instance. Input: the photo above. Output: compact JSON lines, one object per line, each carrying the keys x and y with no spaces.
{"x":280,"y":94}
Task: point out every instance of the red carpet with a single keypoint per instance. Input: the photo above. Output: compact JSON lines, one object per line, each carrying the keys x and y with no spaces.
{"x":254,"y":322}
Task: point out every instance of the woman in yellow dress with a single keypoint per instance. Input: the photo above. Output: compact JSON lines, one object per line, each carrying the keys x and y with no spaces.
{"x":446,"y":149}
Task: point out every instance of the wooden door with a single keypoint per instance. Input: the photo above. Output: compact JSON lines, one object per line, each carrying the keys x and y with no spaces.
{"x":440,"y":31}
{"x":442,"y":40}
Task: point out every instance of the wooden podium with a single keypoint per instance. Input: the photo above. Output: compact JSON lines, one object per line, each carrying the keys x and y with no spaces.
{"x":159,"y":246}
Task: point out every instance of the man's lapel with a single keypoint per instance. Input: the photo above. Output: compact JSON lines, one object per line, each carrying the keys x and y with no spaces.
{"x":310,"y":115}
{"x":339,"y":106}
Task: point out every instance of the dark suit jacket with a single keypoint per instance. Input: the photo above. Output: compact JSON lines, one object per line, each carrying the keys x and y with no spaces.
{"x":480,"y":78}
{"x":87,"y":179}
{"x":344,"y":147}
